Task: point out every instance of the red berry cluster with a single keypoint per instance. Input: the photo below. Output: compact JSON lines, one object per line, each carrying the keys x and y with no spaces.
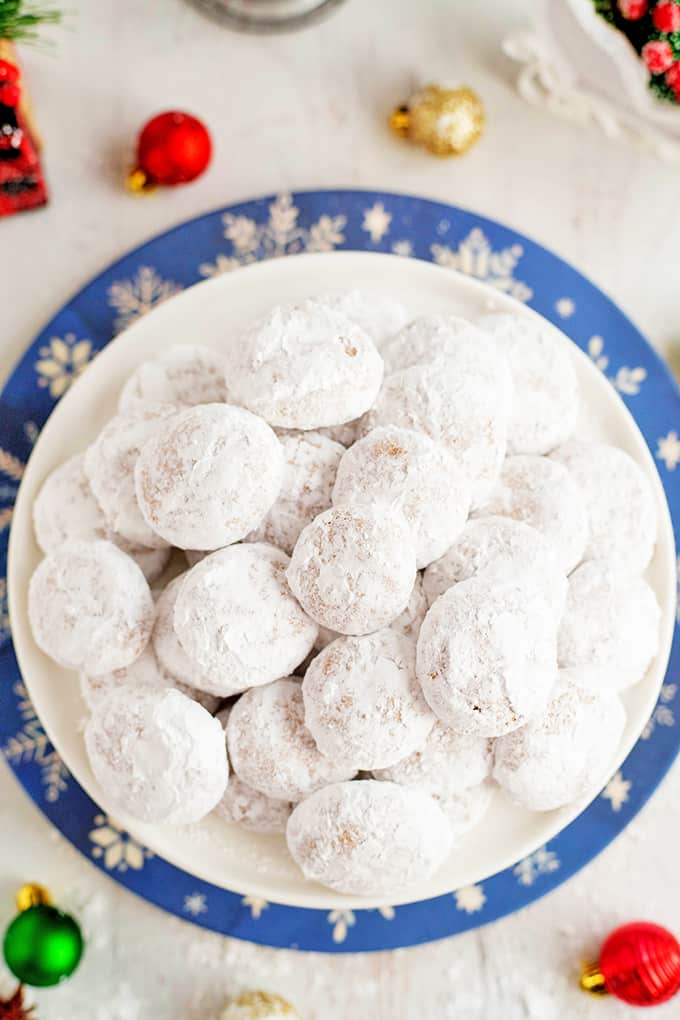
{"x":653,"y":28}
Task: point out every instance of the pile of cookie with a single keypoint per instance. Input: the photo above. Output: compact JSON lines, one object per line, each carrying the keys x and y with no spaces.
{"x":403,"y":585}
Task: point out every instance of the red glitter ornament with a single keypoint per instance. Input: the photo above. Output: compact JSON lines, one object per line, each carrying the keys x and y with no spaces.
{"x":173,"y":148}
{"x":639,"y":964}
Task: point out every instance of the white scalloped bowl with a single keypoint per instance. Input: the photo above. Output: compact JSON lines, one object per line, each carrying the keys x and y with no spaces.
{"x":211,"y":313}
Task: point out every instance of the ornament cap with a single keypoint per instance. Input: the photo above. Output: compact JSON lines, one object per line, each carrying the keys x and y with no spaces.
{"x":138,"y":183}
{"x":32,"y":895}
{"x":593,"y":980}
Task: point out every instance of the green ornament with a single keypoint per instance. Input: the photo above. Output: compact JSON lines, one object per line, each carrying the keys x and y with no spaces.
{"x":42,"y":945}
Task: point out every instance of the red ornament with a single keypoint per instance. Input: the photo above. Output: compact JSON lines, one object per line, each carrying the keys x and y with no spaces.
{"x":666,"y":17}
{"x":632,"y":10}
{"x":639,"y":964}
{"x":658,"y":56}
{"x":22,"y":185}
{"x":173,"y":148}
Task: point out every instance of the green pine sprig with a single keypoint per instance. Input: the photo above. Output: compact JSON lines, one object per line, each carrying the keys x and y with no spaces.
{"x":20,"y":21}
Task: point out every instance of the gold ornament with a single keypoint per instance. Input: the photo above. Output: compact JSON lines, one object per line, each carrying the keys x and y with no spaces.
{"x":32,"y":895}
{"x":447,"y":122}
{"x":259,"y":1006}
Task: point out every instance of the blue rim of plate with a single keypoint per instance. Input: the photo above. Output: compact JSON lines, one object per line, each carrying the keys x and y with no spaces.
{"x":222,"y":241}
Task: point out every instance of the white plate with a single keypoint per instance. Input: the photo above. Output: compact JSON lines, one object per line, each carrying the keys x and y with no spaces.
{"x":211,"y":313}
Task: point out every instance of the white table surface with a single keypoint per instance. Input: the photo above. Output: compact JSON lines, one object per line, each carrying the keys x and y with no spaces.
{"x":304,"y":111}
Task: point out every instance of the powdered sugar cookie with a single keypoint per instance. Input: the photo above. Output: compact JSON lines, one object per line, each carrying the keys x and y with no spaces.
{"x":272,"y":750}
{"x":487,"y":654}
{"x":110,"y":468}
{"x":353,"y":568}
{"x":547,"y":401}
{"x":407,"y":471}
{"x":379,"y":315}
{"x":462,"y":401}
{"x":446,"y":762}
{"x":610,"y":623}
{"x":563,"y":755}
{"x":157,"y":755}
{"x":246,"y":806}
{"x":466,"y":809}
{"x":209,"y":477}
{"x":310,"y":463}
{"x":237,"y":620}
{"x":407,"y":623}
{"x":182,"y":374}
{"x":433,"y":336}
{"x":65,"y":507}
{"x":305,"y":366}
{"x":619,"y":503}
{"x":501,"y":545}
{"x":172,"y":658}
{"x":90,"y":607}
{"x":151,"y":562}
{"x":145,"y":674}
{"x":362,"y":701}
{"x":366,"y":837}
{"x":542,"y":493}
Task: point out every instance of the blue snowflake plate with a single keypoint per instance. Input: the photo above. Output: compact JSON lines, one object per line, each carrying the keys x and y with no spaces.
{"x":221,"y":241}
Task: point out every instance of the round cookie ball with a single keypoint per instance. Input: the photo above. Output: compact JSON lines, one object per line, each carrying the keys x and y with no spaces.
{"x":407,"y":471}
{"x":209,"y":477}
{"x":448,"y":762}
{"x":379,"y":315}
{"x":157,"y":755}
{"x":363,"y":703}
{"x":90,"y":607}
{"x":542,"y":493}
{"x":610,"y":623}
{"x":272,"y":750}
{"x":501,"y":545}
{"x":547,"y":399}
{"x":407,"y":623}
{"x":353,"y":568}
{"x":619,"y":503}
{"x":368,"y":838}
{"x":110,"y":468}
{"x":245,"y":806}
{"x":565,"y":754}
{"x":305,"y":366}
{"x":183,"y":374}
{"x":310,"y":463}
{"x":432,"y":336}
{"x":172,"y":658}
{"x":236,"y":619}
{"x":486,"y":655}
{"x":461,"y":401}
{"x":466,"y":809}
{"x":145,"y":674}
{"x":65,"y":507}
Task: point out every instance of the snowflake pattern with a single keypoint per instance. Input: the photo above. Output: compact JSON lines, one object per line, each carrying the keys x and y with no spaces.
{"x":31,"y":744}
{"x":668,"y":450}
{"x":470,"y":898}
{"x":565,"y":307}
{"x":61,"y":362}
{"x":280,"y":235}
{"x":541,"y":862}
{"x":341,"y":920}
{"x":115,"y":847}
{"x":376,"y":222}
{"x":195,"y":904}
{"x":626,"y":380}
{"x":256,"y":905}
{"x":663,"y":714}
{"x":133,"y":298}
{"x":403,"y":248}
{"x":616,"y":791}
{"x":474,"y":256}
